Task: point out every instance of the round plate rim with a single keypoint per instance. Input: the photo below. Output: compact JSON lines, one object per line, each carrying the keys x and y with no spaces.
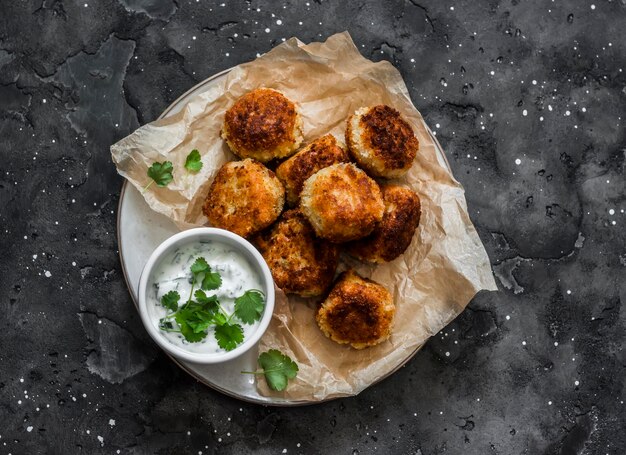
{"x":198,"y":378}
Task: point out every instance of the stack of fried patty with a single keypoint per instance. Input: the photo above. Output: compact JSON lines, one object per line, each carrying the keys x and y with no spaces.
{"x":336,"y":204}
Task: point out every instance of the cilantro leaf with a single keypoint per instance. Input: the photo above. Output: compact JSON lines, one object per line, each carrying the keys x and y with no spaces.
{"x":189,"y":332}
{"x":211,"y":281}
{"x":170,"y":300}
{"x":200,"y":320}
{"x":160,"y":173}
{"x":209,"y":303}
{"x":199,"y":266}
{"x":200,"y":325}
{"x":196,"y":317}
{"x":220,"y":318}
{"x":228,"y":336}
{"x":249,"y":307}
{"x":278,"y":368}
{"x":193,"y":162}
{"x":193,"y":321}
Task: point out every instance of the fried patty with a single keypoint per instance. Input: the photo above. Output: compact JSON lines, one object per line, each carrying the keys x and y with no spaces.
{"x":342,"y":203}
{"x":319,"y":154}
{"x":357,"y":311}
{"x":245,"y":197}
{"x":381,"y":141}
{"x":263,"y":124}
{"x":300,"y":262}
{"x":394,"y":233}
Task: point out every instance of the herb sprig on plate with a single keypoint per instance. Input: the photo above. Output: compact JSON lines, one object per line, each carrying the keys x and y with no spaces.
{"x":193,"y":318}
{"x":193,"y":162}
{"x":163,"y":173}
{"x":277,"y":368}
{"x":160,"y":173}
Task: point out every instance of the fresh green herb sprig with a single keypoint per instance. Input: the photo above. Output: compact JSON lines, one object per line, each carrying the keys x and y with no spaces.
{"x":193,"y":162}
{"x":163,"y":173}
{"x":160,"y":173}
{"x":170,"y":300}
{"x":202,"y":311}
{"x":277,"y":368}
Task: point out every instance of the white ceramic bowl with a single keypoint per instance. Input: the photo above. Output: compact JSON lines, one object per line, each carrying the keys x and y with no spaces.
{"x":227,"y":238}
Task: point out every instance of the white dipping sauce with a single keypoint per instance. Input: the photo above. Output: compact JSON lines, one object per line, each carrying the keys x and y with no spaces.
{"x":173,"y":273}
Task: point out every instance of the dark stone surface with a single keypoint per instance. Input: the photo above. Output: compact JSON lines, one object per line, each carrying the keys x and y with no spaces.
{"x":538,"y":367}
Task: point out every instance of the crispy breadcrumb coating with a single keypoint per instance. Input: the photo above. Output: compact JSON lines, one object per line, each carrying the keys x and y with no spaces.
{"x":301,"y":263}
{"x":394,"y":233}
{"x":245,"y":197}
{"x":342,"y":203}
{"x":381,"y":141}
{"x":357,"y":311}
{"x":263,"y":124}
{"x":321,"y":153}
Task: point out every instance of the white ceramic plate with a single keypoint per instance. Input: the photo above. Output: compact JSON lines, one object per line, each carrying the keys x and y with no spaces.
{"x":140,"y":230}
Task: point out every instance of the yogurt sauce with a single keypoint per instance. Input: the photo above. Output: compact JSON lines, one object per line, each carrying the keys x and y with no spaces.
{"x":173,"y":273}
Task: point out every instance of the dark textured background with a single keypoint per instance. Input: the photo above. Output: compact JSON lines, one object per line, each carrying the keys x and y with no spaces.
{"x":526,"y":98}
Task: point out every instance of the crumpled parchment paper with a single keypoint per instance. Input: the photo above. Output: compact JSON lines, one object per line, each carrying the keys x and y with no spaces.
{"x":443,"y":268}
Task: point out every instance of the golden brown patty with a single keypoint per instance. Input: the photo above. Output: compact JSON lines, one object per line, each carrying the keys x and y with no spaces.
{"x":395,"y":232}
{"x":263,"y":124}
{"x":300,"y":262}
{"x":357,"y":311}
{"x":245,"y":197}
{"x":342,"y":203}
{"x":319,"y":154}
{"x":381,"y":141}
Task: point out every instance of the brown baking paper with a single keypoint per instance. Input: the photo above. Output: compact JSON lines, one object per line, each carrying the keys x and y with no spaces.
{"x":443,"y":268}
